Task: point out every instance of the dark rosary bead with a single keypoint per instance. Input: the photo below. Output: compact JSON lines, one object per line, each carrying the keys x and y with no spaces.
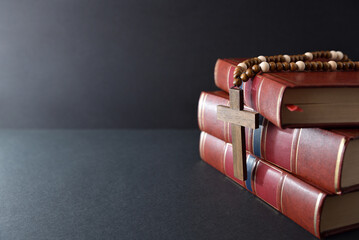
{"x":286,"y":66}
{"x":345,"y":58}
{"x":307,"y":66}
{"x":256,"y":68}
{"x":293,"y":66}
{"x":351,"y":65}
{"x":301,"y":57}
{"x":244,"y":77}
{"x":272,"y":66}
{"x":327,"y":54}
{"x":250,"y":73}
{"x":326,"y":66}
{"x":270,"y":59}
{"x":237,"y":82}
{"x":237,"y":72}
{"x":339,"y":65}
{"x":319,"y":65}
{"x":345,"y":65}
{"x":279,"y":66}
{"x":247,"y":63}
{"x":356,"y":65}
{"x":314,"y":66}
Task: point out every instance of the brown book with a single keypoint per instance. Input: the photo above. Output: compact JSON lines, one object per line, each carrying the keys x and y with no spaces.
{"x":298,"y":99}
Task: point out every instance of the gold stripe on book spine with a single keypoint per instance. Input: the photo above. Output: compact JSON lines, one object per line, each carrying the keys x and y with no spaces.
{"x":224,"y":158}
{"x":338,"y":164}
{"x":259,"y":96}
{"x":297,"y":150}
{"x":200,"y":106}
{"x":202,"y":112}
{"x":281,"y":194}
{"x":316,"y":209}
{"x":279,"y":105}
{"x":201,"y":147}
{"x":264,"y":143}
{"x":292,"y":151}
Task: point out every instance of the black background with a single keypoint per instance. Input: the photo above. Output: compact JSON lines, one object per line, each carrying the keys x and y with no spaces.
{"x":142,"y":64}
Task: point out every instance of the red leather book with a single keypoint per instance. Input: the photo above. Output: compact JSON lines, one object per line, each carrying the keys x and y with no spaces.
{"x":325,"y":158}
{"x":313,"y":209}
{"x":320,"y":98}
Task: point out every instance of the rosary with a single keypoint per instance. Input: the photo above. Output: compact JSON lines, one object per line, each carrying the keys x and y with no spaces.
{"x":303,"y":62}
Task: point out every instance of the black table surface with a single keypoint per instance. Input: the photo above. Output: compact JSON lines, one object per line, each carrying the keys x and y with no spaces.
{"x":125,"y":184}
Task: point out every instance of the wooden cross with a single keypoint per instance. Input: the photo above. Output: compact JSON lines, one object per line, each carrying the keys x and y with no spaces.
{"x":239,"y":119}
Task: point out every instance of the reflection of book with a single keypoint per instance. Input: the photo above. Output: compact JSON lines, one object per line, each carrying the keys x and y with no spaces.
{"x":313,"y":209}
{"x":298,"y":98}
{"x":325,"y":158}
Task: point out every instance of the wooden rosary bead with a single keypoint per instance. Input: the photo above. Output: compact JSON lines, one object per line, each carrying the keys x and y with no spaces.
{"x":293,"y":66}
{"x":237,"y":72}
{"x":319,"y":65}
{"x":326,"y":66}
{"x":272,"y":66}
{"x":243,"y":66}
{"x":345,"y":65}
{"x":286,"y":66}
{"x":244,"y":77}
{"x":256,"y":68}
{"x":249,"y":73}
{"x":250,"y":67}
{"x":237,"y":82}
{"x":339,"y":65}
{"x":279,"y":66}
{"x":314,"y":66}
{"x":351,"y":65}
{"x":247,"y":63}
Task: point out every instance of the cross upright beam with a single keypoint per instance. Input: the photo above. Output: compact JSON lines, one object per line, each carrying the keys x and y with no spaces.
{"x":239,"y":119}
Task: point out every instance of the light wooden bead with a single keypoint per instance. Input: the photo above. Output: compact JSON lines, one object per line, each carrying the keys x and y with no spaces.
{"x":333,"y":65}
{"x":300,"y":65}
{"x":340,"y":55}
{"x":262,"y":58}
{"x":333,"y":55}
{"x":286,"y":58}
{"x":264,"y":66}
{"x":243,"y":66}
{"x":309,"y":55}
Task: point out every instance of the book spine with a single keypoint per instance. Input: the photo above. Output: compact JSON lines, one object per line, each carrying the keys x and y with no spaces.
{"x":260,"y":93}
{"x":294,"y":150}
{"x":287,"y":194}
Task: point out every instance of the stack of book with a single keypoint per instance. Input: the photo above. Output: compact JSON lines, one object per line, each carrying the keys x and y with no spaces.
{"x":309,"y":174}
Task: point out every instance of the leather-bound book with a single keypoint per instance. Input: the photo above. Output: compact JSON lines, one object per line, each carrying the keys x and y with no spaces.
{"x":298,"y":99}
{"x":325,"y":158}
{"x":315,"y":210}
